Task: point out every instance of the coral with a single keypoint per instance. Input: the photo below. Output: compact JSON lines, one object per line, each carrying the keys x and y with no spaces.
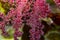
{"x":26,"y":12}
{"x":57,"y":2}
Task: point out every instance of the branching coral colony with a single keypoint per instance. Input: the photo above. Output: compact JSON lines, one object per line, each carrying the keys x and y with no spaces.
{"x":29,"y":11}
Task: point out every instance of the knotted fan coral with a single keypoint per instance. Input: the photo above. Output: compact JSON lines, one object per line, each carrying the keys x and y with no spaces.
{"x":29,"y":12}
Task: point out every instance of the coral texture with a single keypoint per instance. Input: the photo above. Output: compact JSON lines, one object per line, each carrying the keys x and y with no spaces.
{"x":29,"y":12}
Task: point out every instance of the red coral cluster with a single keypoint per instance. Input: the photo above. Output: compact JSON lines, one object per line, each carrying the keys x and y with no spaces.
{"x":28,"y":11}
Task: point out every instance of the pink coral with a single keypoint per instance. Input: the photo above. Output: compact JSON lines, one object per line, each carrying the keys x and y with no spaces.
{"x":57,"y":3}
{"x":29,"y":11}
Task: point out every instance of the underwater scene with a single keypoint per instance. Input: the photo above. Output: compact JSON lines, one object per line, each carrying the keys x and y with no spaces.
{"x":29,"y":19}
